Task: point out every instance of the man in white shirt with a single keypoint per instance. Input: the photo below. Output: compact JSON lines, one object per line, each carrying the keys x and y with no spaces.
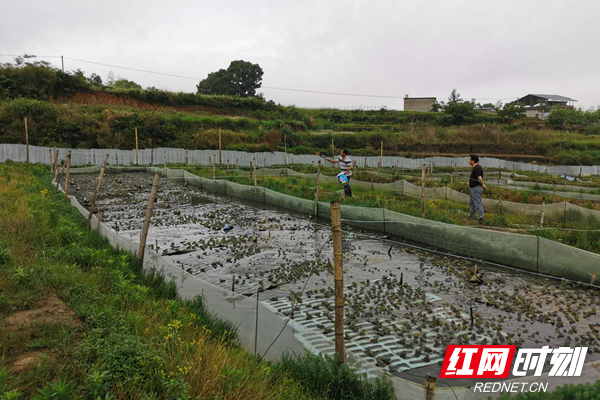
{"x":346,"y":165}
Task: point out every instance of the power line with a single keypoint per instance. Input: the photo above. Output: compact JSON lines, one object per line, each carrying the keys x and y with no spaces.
{"x":263,"y":87}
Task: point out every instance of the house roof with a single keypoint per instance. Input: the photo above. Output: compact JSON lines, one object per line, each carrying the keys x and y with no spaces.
{"x":553,"y":97}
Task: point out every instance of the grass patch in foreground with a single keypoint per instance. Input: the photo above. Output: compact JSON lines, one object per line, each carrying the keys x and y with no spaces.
{"x":129,"y":336}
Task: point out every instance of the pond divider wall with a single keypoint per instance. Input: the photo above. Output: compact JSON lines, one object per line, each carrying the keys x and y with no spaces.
{"x":39,"y":154}
{"x":526,"y":252}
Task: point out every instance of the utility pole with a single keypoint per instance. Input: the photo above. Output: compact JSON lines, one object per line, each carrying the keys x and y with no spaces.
{"x":62,"y":60}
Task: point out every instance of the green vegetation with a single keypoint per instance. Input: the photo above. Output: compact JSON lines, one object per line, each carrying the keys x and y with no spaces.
{"x":81,"y":320}
{"x":70,"y":109}
{"x":241,"y":78}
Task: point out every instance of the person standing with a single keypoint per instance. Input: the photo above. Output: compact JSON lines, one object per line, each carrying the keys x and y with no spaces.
{"x":346,"y":165}
{"x":477,"y":186}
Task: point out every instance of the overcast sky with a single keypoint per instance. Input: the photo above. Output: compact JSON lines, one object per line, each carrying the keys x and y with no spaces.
{"x":499,"y":49}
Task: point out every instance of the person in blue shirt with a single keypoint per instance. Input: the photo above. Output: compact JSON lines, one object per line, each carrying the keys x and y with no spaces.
{"x":346,"y":165}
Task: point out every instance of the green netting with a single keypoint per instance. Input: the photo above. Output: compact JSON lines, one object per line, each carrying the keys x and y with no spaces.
{"x":245,"y":192}
{"x":558,"y":259}
{"x":289,"y":202}
{"x":512,"y":249}
{"x":217,"y":186}
{"x":359,"y":214}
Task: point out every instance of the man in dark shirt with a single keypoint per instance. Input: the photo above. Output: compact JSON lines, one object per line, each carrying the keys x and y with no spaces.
{"x":477,"y":187}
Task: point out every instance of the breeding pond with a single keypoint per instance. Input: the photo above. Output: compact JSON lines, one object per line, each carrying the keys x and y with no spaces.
{"x":403,"y":304}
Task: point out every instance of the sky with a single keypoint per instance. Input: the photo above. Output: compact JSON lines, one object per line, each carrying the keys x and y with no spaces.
{"x":489,"y":51}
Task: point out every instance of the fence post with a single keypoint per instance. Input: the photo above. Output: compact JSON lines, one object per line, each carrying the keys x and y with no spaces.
{"x":55,"y":162}
{"x":151,"y":201}
{"x":285,"y":147}
{"x":430,"y":387}
{"x":236,"y":166}
{"x":338,"y":272}
{"x":68,"y":176}
{"x":220,"y":150}
{"x":214,"y":167}
{"x":381,"y":156}
{"x":117,"y":159}
{"x":543,"y":210}
{"x":332,"y":149}
{"x":51,"y":162}
{"x":187,"y":158}
{"x":137,"y":159}
{"x":27,"y":139}
{"x":554,"y":192}
{"x":62,"y":171}
{"x":94,"y":158}
{"x":317,"y":189}
{"x":93,"y":205}
{"x":254,"y":171}
{"x":423,"y":191}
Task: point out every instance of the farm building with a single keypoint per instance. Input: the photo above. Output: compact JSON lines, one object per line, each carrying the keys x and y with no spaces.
{"x":418,"y":103}
{"x":539,"y":105}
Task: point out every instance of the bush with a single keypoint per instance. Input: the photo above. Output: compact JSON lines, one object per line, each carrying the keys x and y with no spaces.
{"x":327,"y":377}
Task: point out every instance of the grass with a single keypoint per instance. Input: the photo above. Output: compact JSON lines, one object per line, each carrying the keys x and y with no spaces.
{"x":132,"y":337}
{"x":441,"y":210}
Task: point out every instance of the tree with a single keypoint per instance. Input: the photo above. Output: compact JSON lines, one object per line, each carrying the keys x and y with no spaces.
{"x":512,"y":111}
{"x":454,"y":96}
{"x":95,"y":80}
{"x":123,"y":83}
{"x":241,"y":78}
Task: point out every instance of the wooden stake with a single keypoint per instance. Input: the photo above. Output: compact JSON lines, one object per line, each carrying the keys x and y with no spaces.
{"x":62,"y":171}
{"x":434,"y":191}
{"x":430,"y":387}
{"x":220,"y":150}
{"x":187,"y":158}
{"x":254,"y":171}
{"x":55,"y":162}
{"x":593,"y":279}
{"x":381,"y":156}
{"x":51,"y":162}
{"x":94,"y":157}
{"x":117,"y":159}
{"x":285,"y":147}
{"x":317,"y":189}
{"x":554,"y":192}
{"x":68,"y":176}
{"x":101,"y":216}
{"x":89,"y":224}
{"x":27,"y":139}
{"x":147,"y":219}
{"x":338,"y":273}
{"x":332,"y":149}
{"x":236,"y":166}
{"x":423,"y":191}
{"x":214,"y":167}
{"x":543,"y":211}
{"x":137,"y":156}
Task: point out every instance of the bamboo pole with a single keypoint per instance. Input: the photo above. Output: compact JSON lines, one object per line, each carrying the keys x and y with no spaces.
{"x":317,"y":189}
{"x":68,"y":176}
{"x":381,"y":156}
{"x":338,"y":272}
{"x":147,"y":219}
{"x":543,"y":211}
{"x":332,"y":149}
{"x":117,"y":159}
{"x":220,"y":150}
{"x":94,"y":157}
{"x":51,"y":162}
{"x":236,"y":166}
{"x":214,"y":167}
{"x":55,"y":162}
{"x":27,"y":139}
{"x":254,"y":171}
{"x":285,"y":148}
{"x":93,"y":205}
{"x":423,"y":191}
{"x":62,"y":171}
{"x":187,"y":158}
{"x":137,"y":156}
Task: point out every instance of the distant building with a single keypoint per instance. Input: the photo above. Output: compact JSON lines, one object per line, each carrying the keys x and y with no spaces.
{"x":418,"y":103}
{"x":539,"y":105}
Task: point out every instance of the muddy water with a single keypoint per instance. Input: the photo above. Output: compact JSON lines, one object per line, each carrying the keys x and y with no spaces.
{"x":404,"y":305}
